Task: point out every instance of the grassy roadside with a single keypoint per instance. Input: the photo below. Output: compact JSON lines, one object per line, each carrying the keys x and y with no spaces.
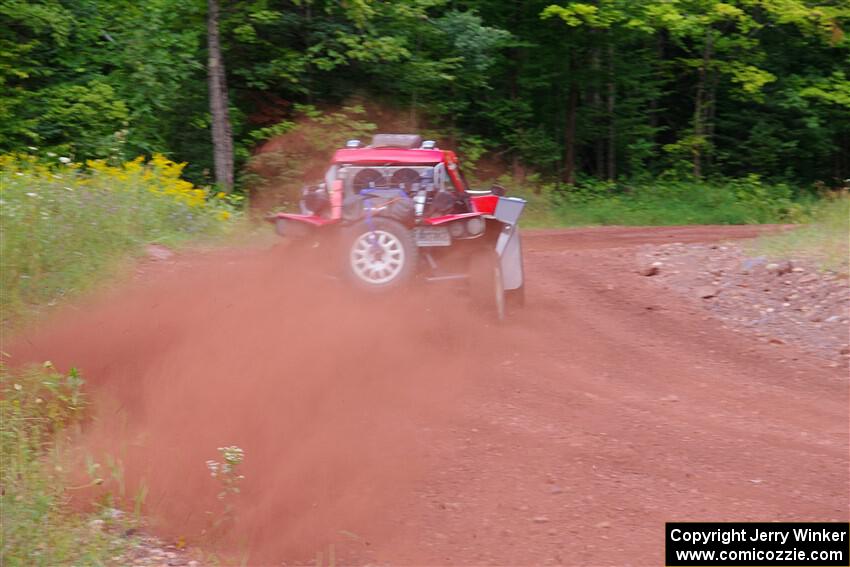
{"x":40,"y":410}
{"x":826,"y":240}
{"x":660,"y":203}
{"x":64,"y":228}
{"x":64,"y":225}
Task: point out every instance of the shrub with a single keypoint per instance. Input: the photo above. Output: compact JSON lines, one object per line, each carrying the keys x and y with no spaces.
{"x":737,"y":201}
{"x":39,"y":408}
{"x":826,"y":240}
{"x":63,"y":223}
{"x":294,"y":152}
{"x":747,"y":200}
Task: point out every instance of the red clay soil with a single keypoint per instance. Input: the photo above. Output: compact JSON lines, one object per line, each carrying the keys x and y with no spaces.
{"x":408,"y":430}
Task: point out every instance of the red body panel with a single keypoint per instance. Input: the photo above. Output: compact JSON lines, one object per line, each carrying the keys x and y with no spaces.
{"x":441,"y":170}
{"x":485,"y":204}
{"x":388,"y":156}
{"x":449,"y":218}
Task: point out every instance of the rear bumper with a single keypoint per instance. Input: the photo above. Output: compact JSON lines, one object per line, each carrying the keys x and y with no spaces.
{"x":311,"y":220}
{"x":298,"y":226}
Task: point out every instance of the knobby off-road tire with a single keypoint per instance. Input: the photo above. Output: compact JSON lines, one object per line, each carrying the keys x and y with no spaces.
{"x":486,"y":288}
{"x":380,"y":255}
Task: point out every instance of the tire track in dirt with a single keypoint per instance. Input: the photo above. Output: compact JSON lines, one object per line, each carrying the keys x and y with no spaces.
{"x":407,"y":430}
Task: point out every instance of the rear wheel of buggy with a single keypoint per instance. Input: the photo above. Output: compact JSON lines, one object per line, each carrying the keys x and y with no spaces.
{"x":486,"y":288}
{"x":380,"y":255}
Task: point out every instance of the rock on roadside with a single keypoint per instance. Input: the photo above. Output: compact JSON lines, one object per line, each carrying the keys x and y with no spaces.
{"x":783,"y":302}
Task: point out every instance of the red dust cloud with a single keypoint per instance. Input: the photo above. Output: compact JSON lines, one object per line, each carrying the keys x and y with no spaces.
{"x":322,"y":388}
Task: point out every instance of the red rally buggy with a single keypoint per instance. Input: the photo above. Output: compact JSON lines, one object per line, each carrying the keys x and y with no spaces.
{"x":400,"y":209}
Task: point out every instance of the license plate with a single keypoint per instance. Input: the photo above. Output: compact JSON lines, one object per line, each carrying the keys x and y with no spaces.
{"x":432,"y":236}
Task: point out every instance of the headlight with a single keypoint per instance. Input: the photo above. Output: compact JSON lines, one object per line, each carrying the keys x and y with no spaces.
{"x":475,"y":226}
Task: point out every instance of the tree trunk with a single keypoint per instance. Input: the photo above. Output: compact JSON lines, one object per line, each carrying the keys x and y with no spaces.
{"x":414,"y":98}
{"x":599,"y":142}
{"x":413,"y":119}
{"x":654,"y":103}
{"x":222,"y":135}
{"x":570,"y":135}
{"x":841,"y":161}
{"x":308,"y":66}
{"x":517,"y":168}
{"x":518,"y":57}
{"x":700,"y":106}
{"x":612,"y":131}
{"x":710,"y":115}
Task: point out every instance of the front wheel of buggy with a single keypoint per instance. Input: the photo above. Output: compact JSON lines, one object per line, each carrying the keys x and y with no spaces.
{"x":381,"y":255}
{"x":486,"y":288}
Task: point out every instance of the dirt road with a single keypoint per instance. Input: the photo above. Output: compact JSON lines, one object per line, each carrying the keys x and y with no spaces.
{"x":410,"y":431}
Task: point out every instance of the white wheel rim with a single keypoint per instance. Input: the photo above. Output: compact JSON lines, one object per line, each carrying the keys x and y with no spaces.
{"x":377,"y":257}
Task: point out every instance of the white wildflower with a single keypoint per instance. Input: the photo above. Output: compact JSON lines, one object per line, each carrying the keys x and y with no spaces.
{"x":51,"y":154}
{"x":32,"y":194}
{"x":64,"y":159}
{"x":213,"y":466}
{"x":33,"y":148}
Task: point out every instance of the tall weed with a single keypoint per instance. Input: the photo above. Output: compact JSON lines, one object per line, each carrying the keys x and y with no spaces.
{"x":62,"y":224}
{"x":826,"y":240}
{"x":591,"y":202}
{"x":40,"y":408}
{"x":735,"y":201}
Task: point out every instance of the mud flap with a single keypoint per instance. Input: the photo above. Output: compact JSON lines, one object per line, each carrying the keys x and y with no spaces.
{"x":508,"y":245}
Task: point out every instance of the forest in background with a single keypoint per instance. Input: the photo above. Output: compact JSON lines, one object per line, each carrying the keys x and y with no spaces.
{"x":571,"y":92}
